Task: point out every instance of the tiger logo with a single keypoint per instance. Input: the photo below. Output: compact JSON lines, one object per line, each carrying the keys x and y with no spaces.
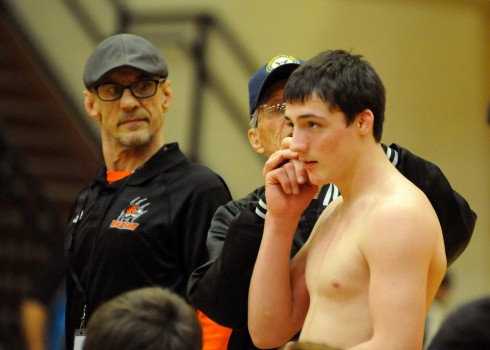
{"x":134,"y":210}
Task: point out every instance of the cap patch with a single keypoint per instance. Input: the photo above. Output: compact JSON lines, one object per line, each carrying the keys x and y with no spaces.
{"x":279,"y":61}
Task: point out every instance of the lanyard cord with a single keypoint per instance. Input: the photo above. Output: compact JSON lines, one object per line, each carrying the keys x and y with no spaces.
{"x":82,"y":291}
{"x":70,"y":267}
{"x":73,"y":274}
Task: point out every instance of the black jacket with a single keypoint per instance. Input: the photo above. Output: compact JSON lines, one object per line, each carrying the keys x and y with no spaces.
{"x":148,"y":229}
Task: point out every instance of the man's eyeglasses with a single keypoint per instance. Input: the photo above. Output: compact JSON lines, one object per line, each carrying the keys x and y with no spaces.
{"x":139,"y":89}
{"x":276,"y":109}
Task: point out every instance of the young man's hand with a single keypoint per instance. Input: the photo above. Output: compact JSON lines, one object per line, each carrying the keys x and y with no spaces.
{"x":288,"y":190}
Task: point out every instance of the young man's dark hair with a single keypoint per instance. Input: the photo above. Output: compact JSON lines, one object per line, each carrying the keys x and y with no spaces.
{"x":150,"y":318}
{"x":467,"y":327}
{"x":345,"y":81}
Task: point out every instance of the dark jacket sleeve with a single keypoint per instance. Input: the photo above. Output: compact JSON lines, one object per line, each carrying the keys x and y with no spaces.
{"x":456,"y":217}
{"x":200,"y":210}
{"x":219,"y":288}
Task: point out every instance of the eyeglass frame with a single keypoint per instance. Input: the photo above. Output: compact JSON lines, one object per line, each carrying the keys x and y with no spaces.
{"x":124,"y":87}
{"x":274,"y":109}
{"x":254,"y":118}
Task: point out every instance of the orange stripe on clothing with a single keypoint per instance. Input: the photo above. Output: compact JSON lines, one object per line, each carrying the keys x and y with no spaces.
{"x":214,"y":336}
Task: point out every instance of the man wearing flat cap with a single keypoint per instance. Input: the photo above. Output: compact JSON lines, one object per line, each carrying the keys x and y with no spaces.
{"x":143,"y":220}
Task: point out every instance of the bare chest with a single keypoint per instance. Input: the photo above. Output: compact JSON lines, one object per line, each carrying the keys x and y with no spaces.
{"x":335,"y":265}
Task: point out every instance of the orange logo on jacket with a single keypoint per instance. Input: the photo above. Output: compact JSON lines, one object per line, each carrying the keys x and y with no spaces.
{"x":126,"y":220}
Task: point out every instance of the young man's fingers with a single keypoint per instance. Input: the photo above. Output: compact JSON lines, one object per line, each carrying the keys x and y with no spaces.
{"x":277,"y":160}
{"x":301,"y":173}
{"x":292,"y":180}
{"x":286,"y":142}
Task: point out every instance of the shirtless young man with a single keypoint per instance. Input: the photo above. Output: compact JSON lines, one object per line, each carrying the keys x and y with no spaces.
{"x":369,"y":272}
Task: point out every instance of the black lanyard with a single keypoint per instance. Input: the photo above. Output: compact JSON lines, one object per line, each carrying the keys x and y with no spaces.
{"x":73,"y":274}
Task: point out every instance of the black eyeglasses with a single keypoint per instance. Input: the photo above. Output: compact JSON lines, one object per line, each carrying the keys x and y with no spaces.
{"x":139,"y":89}
{"x":276,"y":109}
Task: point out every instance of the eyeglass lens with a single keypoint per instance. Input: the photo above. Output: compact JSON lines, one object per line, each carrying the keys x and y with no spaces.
{"x":274,"y":109}
{"x":139,"y":89}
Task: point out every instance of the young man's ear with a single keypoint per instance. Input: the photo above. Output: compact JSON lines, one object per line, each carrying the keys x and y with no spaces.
{"x":254,"y":141}
{"x":91,"y":106}
{"x":365,"y":121}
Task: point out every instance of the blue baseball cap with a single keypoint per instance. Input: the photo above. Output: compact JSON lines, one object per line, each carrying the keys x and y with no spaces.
{"x":278,"y":68}
{"x":123,"y":50}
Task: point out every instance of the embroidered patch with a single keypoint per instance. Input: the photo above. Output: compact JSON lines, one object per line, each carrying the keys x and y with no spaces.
{"x":279,"y":61}
{"x":126,"y":220}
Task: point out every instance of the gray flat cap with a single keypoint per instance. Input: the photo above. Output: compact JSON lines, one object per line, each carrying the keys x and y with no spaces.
{"x":123,"y":50}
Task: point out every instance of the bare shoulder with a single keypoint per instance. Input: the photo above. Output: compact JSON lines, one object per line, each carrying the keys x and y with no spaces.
{"x":404,"y":219}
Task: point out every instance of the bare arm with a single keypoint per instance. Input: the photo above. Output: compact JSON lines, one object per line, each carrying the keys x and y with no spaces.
{"x":405,"y":253}
{"x":278,"y":299}
{"x":34,"y":321}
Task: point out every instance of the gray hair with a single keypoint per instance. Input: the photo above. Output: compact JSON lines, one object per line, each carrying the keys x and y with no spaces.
{"x":254,"y":119}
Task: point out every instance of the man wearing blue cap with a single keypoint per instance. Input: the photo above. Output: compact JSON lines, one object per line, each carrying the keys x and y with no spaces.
{"x":220,"y":287}
{"x":143,"y":220}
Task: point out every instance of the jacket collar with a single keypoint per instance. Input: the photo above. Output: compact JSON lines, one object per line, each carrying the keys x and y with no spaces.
{"x":166,"y":158}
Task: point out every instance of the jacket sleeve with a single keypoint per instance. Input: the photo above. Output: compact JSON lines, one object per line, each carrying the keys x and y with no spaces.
{"x":220,"y":286}
{"x":200,"y":209}
{"x":456,"y":217}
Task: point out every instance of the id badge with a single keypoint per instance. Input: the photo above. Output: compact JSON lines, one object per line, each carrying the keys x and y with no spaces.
{"x":79,"y":339}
